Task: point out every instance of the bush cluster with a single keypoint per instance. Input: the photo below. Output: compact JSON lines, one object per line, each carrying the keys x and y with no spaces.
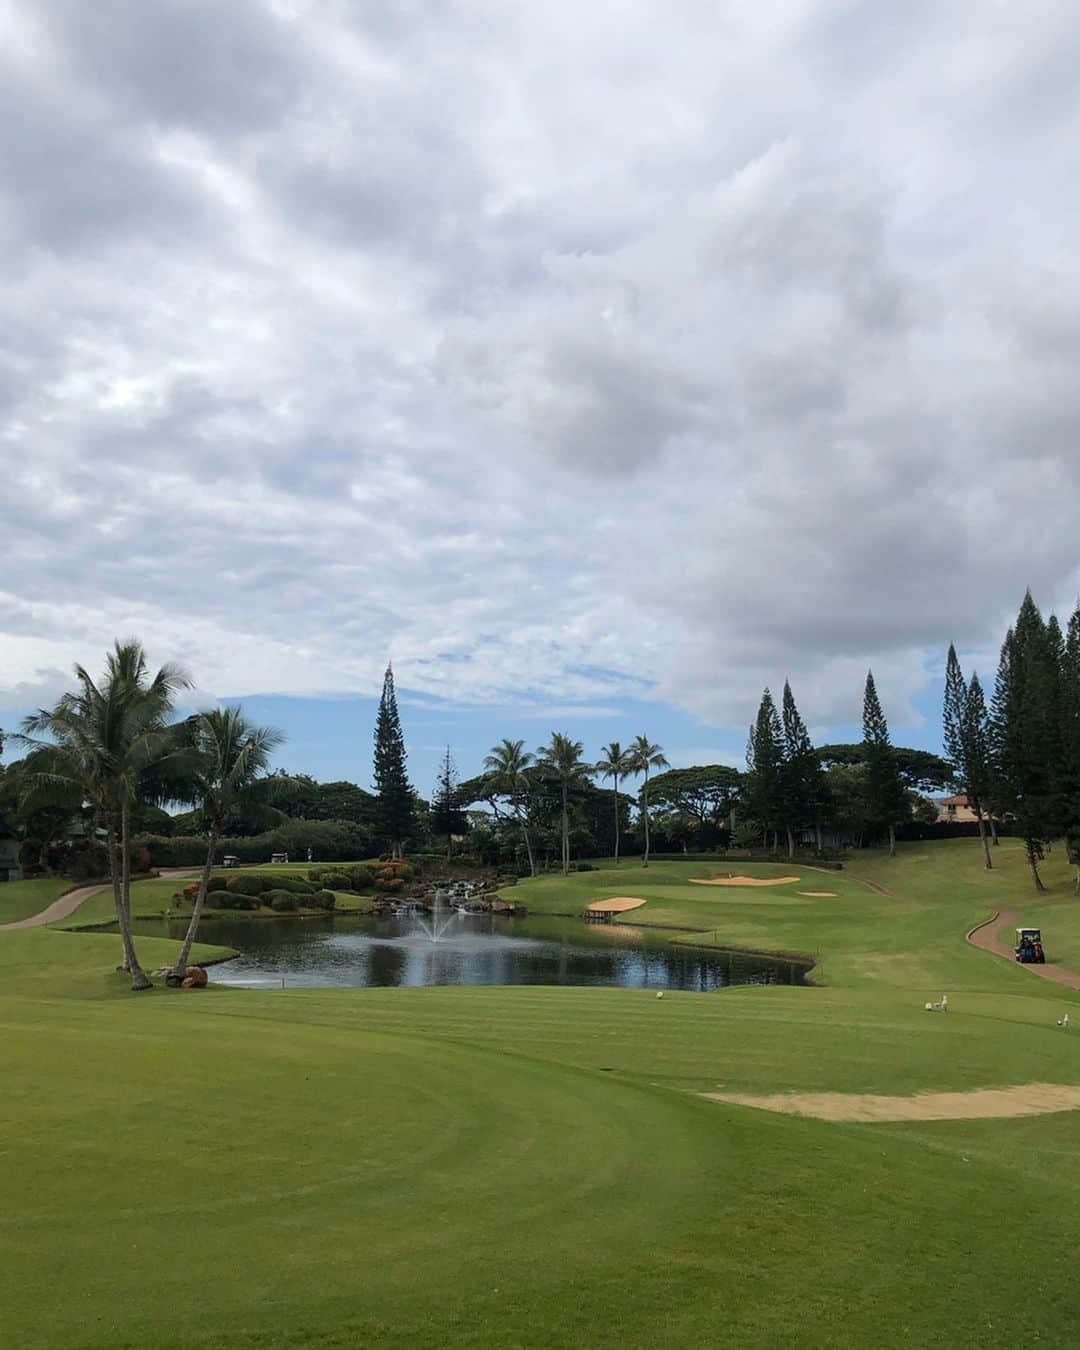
{"x":252,"y":890}
{"x":231,"y":900}
{"x":357,"y":877}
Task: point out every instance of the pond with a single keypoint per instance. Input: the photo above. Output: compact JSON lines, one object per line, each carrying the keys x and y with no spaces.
{"x":471,"y":949}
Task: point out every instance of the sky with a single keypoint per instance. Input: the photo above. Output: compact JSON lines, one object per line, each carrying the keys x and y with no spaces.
{"x":597,"y":365}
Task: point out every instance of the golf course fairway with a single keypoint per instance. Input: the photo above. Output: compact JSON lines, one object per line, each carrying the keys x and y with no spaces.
{"x":543,"y":1167}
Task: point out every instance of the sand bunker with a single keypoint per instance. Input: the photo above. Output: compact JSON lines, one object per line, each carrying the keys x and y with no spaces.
{"x":618,"y":904}
{"x":823,"y":895}
{"x":1028,"y":1099}
{"x":743,"y":881}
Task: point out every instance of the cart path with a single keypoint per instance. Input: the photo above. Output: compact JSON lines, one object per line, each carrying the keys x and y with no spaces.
{"x":71,"y":900}
{"x":985,"y":936}
{"x":875,"y":886}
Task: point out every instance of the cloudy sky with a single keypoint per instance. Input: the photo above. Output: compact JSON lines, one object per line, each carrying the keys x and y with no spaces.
{"x":600,"y":364}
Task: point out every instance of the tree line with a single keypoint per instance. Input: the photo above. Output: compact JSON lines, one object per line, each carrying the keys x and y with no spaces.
{"x":1019,"y":758}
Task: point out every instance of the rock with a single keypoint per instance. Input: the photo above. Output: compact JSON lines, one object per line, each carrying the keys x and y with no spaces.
{"x":195,"y":978}
{"x":162,"y":972}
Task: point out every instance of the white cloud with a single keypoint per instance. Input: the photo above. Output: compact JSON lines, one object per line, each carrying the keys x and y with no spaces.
{"x":565,"y":359}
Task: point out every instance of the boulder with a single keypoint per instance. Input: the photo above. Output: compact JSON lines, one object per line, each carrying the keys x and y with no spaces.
{"x":195,"y":978}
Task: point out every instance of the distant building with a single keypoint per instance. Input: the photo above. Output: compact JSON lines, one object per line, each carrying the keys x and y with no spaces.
{"x":955,"y":810}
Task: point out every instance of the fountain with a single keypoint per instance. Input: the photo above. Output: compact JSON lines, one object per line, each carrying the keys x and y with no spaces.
{"x":433,"y":927}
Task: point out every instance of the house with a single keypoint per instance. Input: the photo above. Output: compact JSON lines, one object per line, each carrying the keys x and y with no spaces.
{"x":954,"y":810}
{"x":10,"y":870}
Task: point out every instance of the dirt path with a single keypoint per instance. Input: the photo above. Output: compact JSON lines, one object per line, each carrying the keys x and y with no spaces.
{"x":1027,"y":1099}
{"x":70,"y":902}
{"x":875,"y":886}
{"x":985,"y":937}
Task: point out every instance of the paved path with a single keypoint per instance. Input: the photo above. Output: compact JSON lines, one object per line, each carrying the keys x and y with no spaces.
{"x":59,"y":909}
{"x":985,"y":936}
{"x":70,"y":902}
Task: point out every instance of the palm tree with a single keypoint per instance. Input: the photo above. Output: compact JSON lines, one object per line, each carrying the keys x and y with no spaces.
{"x":614,"y":763}
{"x":562,"y":759}
{"x":230,"y":761}
{"x":507,"y":766}
{"x":643,"y":756}
{"x":106,"y":740}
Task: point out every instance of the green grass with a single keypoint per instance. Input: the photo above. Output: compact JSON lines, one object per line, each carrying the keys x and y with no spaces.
{"x":20,"y":899}
{"x":530,"y":1167}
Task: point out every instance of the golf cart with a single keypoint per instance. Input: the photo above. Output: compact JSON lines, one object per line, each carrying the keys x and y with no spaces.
{"x":1029,"y":948}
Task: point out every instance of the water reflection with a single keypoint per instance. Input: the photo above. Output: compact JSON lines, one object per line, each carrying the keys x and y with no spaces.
{"x":329,"y":952}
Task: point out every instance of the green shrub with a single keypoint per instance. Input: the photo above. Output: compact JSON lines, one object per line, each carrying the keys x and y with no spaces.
{"x":248,"y":883}
{"x":294,"y":885}
{"x":281,"y":900}
{"x":584,"y":867}
{"x":219,"y":900}
{"x":362,"y":877}
{"x":333,"y":879}
{"x":321,"y":900}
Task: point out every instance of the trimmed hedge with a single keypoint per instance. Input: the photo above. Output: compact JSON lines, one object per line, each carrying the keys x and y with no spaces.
{"x":231,"y":900}
{"x":334,"y":881}
{"x":281,"y":901}
{"x":248,"y":883}
{"x":359,"y":877}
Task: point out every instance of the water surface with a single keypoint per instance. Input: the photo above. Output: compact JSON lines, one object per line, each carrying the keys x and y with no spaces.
{"x":484,"y":949}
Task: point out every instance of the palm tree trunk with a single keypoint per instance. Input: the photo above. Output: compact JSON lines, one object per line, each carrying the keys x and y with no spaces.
{"x":528,"y":847}
{"x":616,"y":776}
{"x":993,"y":830}
{"x":138,"y":975}
{"x":565,"y":834}
{"x":790,"y":843}
{"x":645,"y":809}
{"x":892,"y":840}
{"x":817,"y":835}
{"x":118,"y":898}
{"x":196,"y":913}
{"x":983,"y":840}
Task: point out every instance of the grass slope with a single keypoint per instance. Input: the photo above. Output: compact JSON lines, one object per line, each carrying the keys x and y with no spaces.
{"x":21,"y":899}
{"x":530,"y":1167}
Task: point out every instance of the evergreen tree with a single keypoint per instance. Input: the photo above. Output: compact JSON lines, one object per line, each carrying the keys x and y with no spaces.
{"x":1026,"y":735}
{"x":953,"y":714}
{"x":396,"y":805}
{"x":1070,"y":739}
{"x":802,"y":785}
{"x":887,"y":796}
{"x":965,"y":740}
{"x":978,"y":761}
{"x":447,"y":817}
{"x":765,"y":761}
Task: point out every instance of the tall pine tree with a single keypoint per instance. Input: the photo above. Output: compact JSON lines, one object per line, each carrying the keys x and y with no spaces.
{"x":802,"y":775}
{"x":447,"y":817}
{"x":765,"y":761}
{"x":887,"y":797}
{"x":1070,"y":739}
{"x":965,"y":740}
{"x":395,"y":804}
{"x":1026,"y":739}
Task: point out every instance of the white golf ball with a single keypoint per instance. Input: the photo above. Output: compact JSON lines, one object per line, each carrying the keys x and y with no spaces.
{"x":660,"y":994}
